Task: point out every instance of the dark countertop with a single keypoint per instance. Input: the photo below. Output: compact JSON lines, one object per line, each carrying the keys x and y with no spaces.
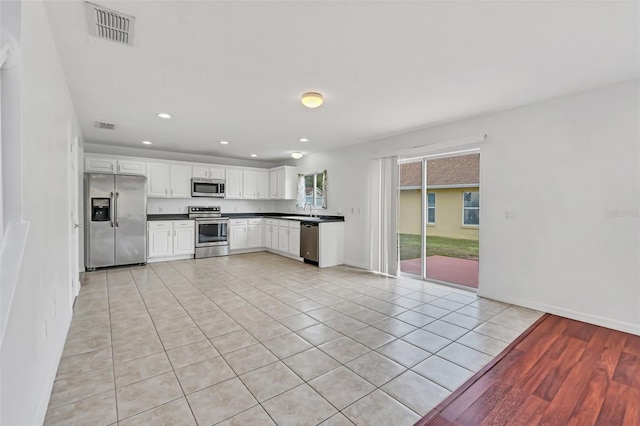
{"x":289,"y":216}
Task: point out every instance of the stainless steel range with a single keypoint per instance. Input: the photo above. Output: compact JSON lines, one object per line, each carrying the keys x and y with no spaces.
{"x":211,"y":231}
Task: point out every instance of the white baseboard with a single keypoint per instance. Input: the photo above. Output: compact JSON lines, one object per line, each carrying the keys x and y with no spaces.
{"x":54,"y":361}
{"x":626,"y":327}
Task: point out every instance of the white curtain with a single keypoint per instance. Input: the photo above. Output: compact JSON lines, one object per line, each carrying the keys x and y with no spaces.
{"x":383,"y":198}
{"x":300,"y":198}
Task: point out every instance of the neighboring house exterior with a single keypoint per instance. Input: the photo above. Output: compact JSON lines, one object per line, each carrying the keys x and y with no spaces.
{"x":453,"y":192}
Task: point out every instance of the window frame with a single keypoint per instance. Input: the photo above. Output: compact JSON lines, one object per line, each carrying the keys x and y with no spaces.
{"x":474,"y":225}
{"x":434,"y":208}
{"x":315,"y":204}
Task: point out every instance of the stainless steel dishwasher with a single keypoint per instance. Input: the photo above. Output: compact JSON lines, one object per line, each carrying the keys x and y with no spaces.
{"x":309,"y":242}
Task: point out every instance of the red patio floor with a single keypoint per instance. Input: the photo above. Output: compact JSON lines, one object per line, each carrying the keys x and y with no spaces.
{"x":447,"y":269}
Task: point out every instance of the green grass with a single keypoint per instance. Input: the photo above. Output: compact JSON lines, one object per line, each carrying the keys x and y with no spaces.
{"x":441,"y":246}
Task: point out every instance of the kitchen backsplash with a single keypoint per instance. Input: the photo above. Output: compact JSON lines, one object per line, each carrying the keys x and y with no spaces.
{"x":180,"y":205}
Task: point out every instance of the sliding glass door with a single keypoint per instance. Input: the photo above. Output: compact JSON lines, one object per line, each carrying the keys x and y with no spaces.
{"x":439,"y":218}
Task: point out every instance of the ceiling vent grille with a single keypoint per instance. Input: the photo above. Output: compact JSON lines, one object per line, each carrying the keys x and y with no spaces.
{"x":109,"y":25}
{"x":106,"y":126}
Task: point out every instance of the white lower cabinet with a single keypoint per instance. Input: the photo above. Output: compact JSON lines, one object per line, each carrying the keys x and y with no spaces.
{"x":255,"y":233}
{"x":159,"y":239}
{"x":184,"y":235}
{"x":271,"y":234}
{"x":245,"y":234}
{"x":289,"y":236}
{"x":170,"y":238}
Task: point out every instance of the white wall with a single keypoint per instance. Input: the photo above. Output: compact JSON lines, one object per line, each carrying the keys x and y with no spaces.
{"x":29,"y":355}
{"x":564,"y":165}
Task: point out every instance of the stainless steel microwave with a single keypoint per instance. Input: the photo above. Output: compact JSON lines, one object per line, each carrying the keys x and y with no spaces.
{"x":213,"y":188}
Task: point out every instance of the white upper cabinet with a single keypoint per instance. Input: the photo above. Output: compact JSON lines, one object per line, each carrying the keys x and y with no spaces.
{"x":129,"y":167}
{"x":255,"y":184}
{"x":112,"y":165}
{"x":180,"y":181}
{"x":208,"y":172}
{"x":234,"y":184}
{"x":100,"y":165}
{"x":158,"y":180}
{"x":249,"y":184}
{"x":283,"y":182}
{"x":168,"y":180}
{"x":262,"y":184}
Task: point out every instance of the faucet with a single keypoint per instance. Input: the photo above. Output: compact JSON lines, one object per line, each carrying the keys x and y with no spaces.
{"x":310,"y":208}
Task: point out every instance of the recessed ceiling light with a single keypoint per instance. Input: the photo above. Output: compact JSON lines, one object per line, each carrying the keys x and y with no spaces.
{"x":146,"y":142}
{"x":254,"y":155}
{"x":164,"y":115}
{"x":312,"y":99}
{"x":224,"y":142}
{"x":296,"y":155}
{"x":304,"y":140}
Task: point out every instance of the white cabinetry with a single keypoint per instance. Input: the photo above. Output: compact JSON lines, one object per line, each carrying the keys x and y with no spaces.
{"x":249,"y":184}
{"x":262,"y":184}
{"x":112,"y":165}
{"x":184,"y":235}
{"x":100,"y":165}
{"x":168,"y":180}
{"x":129,"y":167}
{"x":208,"y":172}
{"x":180,"y":181}
{"x":170,"y":238}
{"x":245,"y":233}
{"x":233,"y":185}
{"x":255,"y":233}
{"x":289,"y":237}
{"x":158,"y":180}
{"x":283,"y":183}
{"x":255,"y":184}
{"x":271,"y":234}
{"x":159,"y":239}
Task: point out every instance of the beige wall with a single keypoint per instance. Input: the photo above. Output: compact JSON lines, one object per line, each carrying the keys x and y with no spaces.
{"x":448,"y":214}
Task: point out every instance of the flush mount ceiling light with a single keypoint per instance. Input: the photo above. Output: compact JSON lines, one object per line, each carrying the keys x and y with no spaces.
{"x":312,"y":99}
{"x":296,"y":155}
{"x":304,"y":140}
{"x":254,"y":155}
{"x":224,"y":142}
{"x":164,"y":115}
{"x":146,"y":142}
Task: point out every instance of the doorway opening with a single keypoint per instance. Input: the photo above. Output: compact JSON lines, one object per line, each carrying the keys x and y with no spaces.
{"x":439,"y":218}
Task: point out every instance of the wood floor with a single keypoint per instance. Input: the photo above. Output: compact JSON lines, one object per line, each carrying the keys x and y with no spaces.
{"x":563,"y":372}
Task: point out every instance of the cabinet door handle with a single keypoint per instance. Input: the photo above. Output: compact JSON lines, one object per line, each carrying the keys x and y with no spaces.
{"x":166,"y":191}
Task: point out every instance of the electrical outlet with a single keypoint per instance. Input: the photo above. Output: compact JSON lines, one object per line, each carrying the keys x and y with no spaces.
{"x":339,"y":210}
{"x":510,"y":214}
{"x":353,"y":210}
{"x":359,"y":212}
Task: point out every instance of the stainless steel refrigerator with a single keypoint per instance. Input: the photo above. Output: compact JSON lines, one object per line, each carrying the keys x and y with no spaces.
{"x":115,"y":220}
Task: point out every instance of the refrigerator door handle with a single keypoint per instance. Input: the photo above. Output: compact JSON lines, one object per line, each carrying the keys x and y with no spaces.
{"x":111,"y":209}
{"x":117,"y":198}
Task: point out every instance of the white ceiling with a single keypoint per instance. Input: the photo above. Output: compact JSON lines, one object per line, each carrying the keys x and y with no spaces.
{"x":235,"y":70}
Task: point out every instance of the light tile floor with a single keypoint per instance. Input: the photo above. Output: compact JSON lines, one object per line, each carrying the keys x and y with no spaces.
{"x":260,"y":339}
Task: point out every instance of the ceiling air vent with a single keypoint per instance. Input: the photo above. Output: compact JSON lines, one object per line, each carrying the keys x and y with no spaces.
{"x":109,"y":24}
{"x":106,"y":126}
